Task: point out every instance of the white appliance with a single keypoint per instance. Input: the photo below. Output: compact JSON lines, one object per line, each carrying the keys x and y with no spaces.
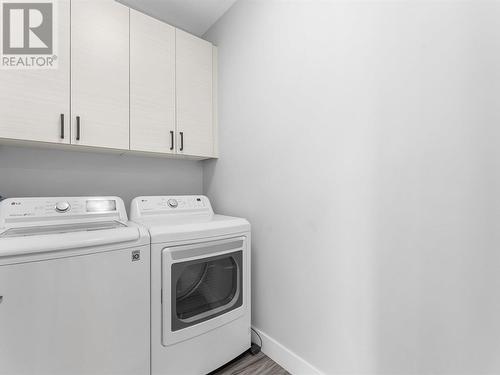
{"x":200,"y":284}
{"x":74,"y":288}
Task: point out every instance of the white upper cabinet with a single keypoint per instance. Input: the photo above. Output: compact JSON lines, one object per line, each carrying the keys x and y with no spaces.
{"x":123,"y":81}
{"x":152,"y":84}
{"x":194,"y":76}
{"x":100,"y":73}
{"x":34,"y":103}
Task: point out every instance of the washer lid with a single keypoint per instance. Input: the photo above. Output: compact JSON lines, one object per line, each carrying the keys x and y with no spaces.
{"x":61,"y":228}
{"x":49,"y":224}
{"x":23,"y":245}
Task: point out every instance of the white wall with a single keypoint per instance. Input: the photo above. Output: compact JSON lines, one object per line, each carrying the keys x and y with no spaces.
{"x":361,"y":139}
{"x":44,"y":172}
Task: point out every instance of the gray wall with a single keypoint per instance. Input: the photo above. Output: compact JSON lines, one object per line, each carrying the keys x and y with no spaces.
{"x":361,"y":139}
{"x":44,"y":172}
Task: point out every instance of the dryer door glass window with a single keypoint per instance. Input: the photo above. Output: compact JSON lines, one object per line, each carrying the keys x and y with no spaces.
{"x":205,"y":288}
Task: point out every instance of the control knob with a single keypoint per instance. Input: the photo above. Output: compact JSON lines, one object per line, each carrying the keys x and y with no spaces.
{"x":62,"y":206}
{"x":172,"y":203}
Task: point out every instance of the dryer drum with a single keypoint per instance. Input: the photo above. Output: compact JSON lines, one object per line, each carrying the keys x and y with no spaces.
{"x":205,"y":286}
{"x":190,"y":280}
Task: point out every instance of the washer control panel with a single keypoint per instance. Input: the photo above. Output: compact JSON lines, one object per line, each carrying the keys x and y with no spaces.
{"x":19,"y":209}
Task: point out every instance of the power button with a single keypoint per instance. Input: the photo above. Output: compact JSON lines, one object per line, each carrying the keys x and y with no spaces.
{"x":172,"y":203}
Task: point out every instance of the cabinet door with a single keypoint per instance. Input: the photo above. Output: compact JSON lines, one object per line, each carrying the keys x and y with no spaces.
{"x":152,"y":84}
{"x":100,"y":73}
{"x":32,"y":102}
{"x":194,"y":95}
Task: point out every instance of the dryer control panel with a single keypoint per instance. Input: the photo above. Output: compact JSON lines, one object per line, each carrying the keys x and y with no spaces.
{"x":160,"y":205}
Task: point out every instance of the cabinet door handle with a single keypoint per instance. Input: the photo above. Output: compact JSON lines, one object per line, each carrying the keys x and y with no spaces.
{"x":182,"y":141}
{"x":77,"y":128}
{"x":62,"y":125}
{"x":171,"y":139}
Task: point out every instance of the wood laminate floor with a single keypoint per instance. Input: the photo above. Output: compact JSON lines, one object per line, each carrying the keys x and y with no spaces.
{"x":248,"y":364}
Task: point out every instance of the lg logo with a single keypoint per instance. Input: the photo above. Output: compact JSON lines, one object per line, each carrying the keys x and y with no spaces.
{"x":27,"y":28}
{"x":136,"y":255}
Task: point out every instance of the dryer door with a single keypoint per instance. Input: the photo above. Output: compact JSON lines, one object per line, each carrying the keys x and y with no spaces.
{"x":203,"y":287}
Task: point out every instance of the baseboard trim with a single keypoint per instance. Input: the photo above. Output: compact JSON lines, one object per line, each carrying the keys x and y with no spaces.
{"x":285,"y":357}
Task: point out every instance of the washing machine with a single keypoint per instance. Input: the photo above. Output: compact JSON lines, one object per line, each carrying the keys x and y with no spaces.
{"x":200,"y":283}
{"x":74,"y":288}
